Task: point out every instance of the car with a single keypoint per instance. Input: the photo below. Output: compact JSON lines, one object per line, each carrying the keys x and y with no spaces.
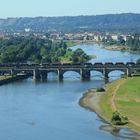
{"x":44,"y":64}
{"x":109,"y":64}
{"x":130,"y":63}
{"x":138,"y":63}
{"x":66,"y":64}
{"x":98,"y":64}
{"x":78,"y":63}
{"x":119,"y":63}
{"x":55,"y":64}
{"x":87,"y":64}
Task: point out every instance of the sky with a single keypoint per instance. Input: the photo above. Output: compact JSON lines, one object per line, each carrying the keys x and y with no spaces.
{"x":33,"y":8}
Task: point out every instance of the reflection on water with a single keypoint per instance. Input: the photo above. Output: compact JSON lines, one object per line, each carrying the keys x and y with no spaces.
{"x":122,"y":133}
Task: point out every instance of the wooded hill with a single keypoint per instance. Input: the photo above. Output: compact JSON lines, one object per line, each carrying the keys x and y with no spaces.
{"x":126,"y":23}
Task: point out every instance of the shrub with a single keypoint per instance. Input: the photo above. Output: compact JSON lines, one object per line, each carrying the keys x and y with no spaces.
{"x":100,"y":90}
{"x":117,"y":119}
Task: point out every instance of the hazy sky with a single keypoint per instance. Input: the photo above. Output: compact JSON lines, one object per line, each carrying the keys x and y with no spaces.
{"x":22,"y":8}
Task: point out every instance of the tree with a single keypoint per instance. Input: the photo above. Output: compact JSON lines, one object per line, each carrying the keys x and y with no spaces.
{"x":120,"y":41}
{"x":22,"y":49}
{"x":79,"y":56}
{"x":117,"y":119}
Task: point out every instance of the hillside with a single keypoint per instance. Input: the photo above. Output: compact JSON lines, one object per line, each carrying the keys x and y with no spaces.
{"x":112,"y":22}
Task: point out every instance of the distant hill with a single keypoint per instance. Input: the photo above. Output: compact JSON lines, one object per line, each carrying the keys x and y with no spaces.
{"x":112,"y":22}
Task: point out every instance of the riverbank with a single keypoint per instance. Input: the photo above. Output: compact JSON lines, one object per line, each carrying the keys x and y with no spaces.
{"x":90,"y":100}
{"x":115,"y":48}
{"x":71,"y":43}
{"x":121,"y":95}
{"x":9,"y":79}
{"x":120,"y":48}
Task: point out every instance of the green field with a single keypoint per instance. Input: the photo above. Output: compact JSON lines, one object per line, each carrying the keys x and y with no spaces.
{"x":126,"y":100}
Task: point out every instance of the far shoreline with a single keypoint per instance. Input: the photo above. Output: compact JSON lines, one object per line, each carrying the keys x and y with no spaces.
{"x":115,"y":47}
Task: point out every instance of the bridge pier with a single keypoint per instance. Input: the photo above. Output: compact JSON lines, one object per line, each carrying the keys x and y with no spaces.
{"x":105,"y":73}
{"x":128,"y":72}
{"x":60,"y":75}
{"x":12,"y":72}
{"x":36,"y":74}
{"x":43,"y":75}
{"x":85,"y":74}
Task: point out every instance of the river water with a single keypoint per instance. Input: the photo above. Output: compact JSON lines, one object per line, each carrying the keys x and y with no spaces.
{"x":50,"y":110}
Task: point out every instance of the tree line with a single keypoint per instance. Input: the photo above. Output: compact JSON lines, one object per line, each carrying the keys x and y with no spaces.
{"x":132,"y":42}
{"x":38,"y":50}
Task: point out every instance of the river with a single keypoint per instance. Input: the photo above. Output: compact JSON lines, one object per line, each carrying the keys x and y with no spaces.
{"x":50,"y":111}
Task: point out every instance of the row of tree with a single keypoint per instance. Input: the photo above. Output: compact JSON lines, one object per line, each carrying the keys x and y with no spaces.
{"x":23,"y":49}
{"x":132,"y":42}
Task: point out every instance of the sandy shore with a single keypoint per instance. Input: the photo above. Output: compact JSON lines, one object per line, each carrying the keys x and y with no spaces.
{"x":90,"y":100}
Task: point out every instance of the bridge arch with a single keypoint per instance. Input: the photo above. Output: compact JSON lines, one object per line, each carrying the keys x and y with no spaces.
{"x":96,"y":74}
{"x":116,"y":73}
{"x":71,"y":74}
{"x":52,"y":74}
{"x":52,"y":71}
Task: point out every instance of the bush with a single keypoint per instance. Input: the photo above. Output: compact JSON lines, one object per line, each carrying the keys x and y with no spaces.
{"x":117,"y":119}
{"x":100,"y":90}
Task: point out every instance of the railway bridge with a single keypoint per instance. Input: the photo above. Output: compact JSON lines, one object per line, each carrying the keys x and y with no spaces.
{"x":84,"y":69}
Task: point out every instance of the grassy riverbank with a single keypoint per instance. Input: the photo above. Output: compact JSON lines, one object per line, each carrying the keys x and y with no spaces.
{"x":115,"y":48}
{"x":122,"y":95}
{"x":120,"y":48}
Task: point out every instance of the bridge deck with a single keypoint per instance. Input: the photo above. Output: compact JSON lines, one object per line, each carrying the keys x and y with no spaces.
{"x":82,"y":69}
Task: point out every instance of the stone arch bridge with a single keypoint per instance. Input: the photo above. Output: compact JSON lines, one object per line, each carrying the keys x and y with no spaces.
{"x":41,"y":72}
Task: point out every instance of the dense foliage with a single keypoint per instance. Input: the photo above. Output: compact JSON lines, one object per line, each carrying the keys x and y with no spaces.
{"x":23,"y":49}
{"x":132,"y":42}
{"x":108,"y":23}
{"x":100,"y":89}
{"x":138,"y":61}
{"x":79,"y":56}
{"x":118,"y":119}
{"x":110,"y":41}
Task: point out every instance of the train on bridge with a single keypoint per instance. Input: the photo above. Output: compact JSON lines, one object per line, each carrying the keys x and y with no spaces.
{"x":67,"y":64}
{"x":41,"y":70}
